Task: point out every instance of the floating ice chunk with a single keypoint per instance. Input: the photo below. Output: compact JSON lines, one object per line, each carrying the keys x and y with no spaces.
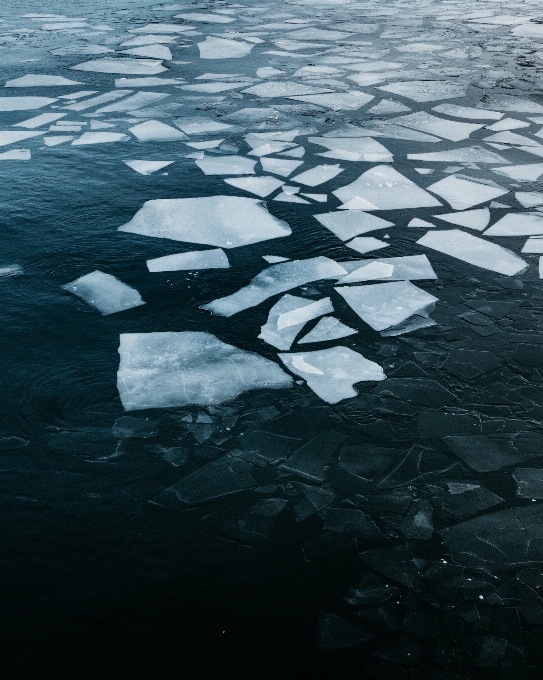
{"x":57,"y":139}
{"x":136,"y":101}
{"x":227,"y":165}
{"x":219,"y":48}
{"x":511,"y":138}
{"x":289,"y":198}
{"x":24,"y":103}
{"x":462,"y":193}
{"x":10,"y":270}
{"x":95,"y":101}
{"x":358,"y":148}
{"x":388,"y":106}
{"x":105,"y":292}
{"x":212,"y":144}
{"x":426,"y":90}
{"x":468,"y":154}
{"x":534,"y":245}
{"x":529,"y":199}
{"x":473,"y":219}
{"x":369,"y":272}
{"x":406,"y":268}
{"x":156,"y":131}
{"x":268,"y":72}
{"x":417,"y":222}
{"x":328,"y":328}
{"x":297,"y":152}
{"x":199,"y":126}
{"x":38,"y":121}
{"x":16,"y":155}
{"x":278,"y":166}
{"x":100,"y":138}
{"x":366,"y":244}
{"x":206,"y":18}
{"x":304,"y":310}
{"x":162,"y":28}
{"x":318,"y":175}
{"x":151,"y":39}
{"x":282,"y":88}
{"x":81,"y":49}
{"x":152,"y":81}
{"x":384,"y":305}
{"x":302,"y":315}
{"x":223,"y":221}
{"x":508,"y":124}
{"x":319,"y":34}
{"x":165,"y":370}
{"x":147,"y":167}
{"x":136,"y":67}
{"x":525,"y":173}
{"x":276,"y":279}
{"x":270,"y":147}
{"x":517,"y":224}
{"x":32,"y":80}
{"x":467,"y":112}
{"x":447,"y":129}
{"x":255,"y":139}
{"x":261,"y":186}
{"x":198,"y":259}
{"x":338,"y":101}
{"x":213,"y":88}
{"x":386,"y":189}
{"x":351,"y":223}
{"x":12,"y":136}
{"x":331,"y":373}
{"x":474,"y":250}
{"x":274,"y":259}
{"x":151,"y":51}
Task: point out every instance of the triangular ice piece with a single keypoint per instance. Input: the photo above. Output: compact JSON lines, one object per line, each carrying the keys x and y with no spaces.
{"x":147,"y":167}
{"x":260,"y":186}
{"x":462,"y":193}
{"x":473,"y":219}
{"x":349,"y":223}
{"x":328,"y":328}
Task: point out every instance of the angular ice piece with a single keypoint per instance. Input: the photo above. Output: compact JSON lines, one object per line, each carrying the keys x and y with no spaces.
{"x":426,"y":90}
{"x":206,"y":18}
{"x":257,"y":138}
{"x":223,"y":221}
{"x":147,"y":167}
{"x":534,"y":245}
{"x":95,"y":101}
{"x":338,"y":101}
{"x":517,"y":224}
{"x":527,"y":173}
{"x":302,"y":315}
{"x":361,"y":148}
{"x":212,"y":144}
{"x":166,"y":370}
{"x":406,"y":268}
{"x":261,"y":186}
{"x":270,"y":147}
{"x":366,"y":244}
{"x":151,"y":51}
{"x":331,"y":373}
{"x":328,"y":328}
{"x":274,"y":259}
{"x":38,"y":121}
{"x":369,"y":272}
{"x":276,"y":279}
{"x":268,"y":72}
{"x":213,"y":88}
{"x":105,"y":292}
{"x":162,"y":28}
{"x":219,"y":48}
{"x":386,"y":189}
{"x":468,"y":154}
{"x":351,"y":223}
{"x":35,"y":80}
{"x":282,"y":338}
{"x":57,"y":139}
{"x":151,"y":39}
{"x":136,"y":101}
{"x":474,"y":250}
{"x":447,"y":129}
{"x":529,"y":199}
{"x":511,"y":138}
{"x":289,"y":198}
{"x":467,"y":112}
{"x":388,"y":106}
{"x":135,"y":67}
{"x":100,"y":138}
{"x":278,"y":166}
{"x":283,"y":88}
{"x":197,"y":259}
{"x":199,"y":126}
{"x":24,"y":103}
{"x":383,"y":305}
{"x":297,"y":152}
{"x":318,"y":175}
{"x":417,"y":222}
{"x":508,"y":124}
{"x":462,"y":193}
{"x":227,"y":165}
{"x":473,"y":219}
{"x":147,"y":82}
{"x":81,"y":49}
{"x":16,"y":155}
{"x":320,"y":198}
{"x":156,"y":131}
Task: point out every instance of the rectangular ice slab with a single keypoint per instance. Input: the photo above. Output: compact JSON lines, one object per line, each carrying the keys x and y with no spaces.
{"x":165,"y":370}
{"x":474,"y":250}
{"x":223,"y":221}
{"x":274,"y":280}
{"x":198,"y":259}
{"x":105,"y":292}
{"x":383,"y":188}
{"x":331,"y":373}
{"x":383,"y":305}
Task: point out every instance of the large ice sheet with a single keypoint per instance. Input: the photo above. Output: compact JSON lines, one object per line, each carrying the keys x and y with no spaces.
{"x":276,"y":279}
{"x":462,"y":193}
{"x":384,"y":305}
{"x":220,"y":48}
{"x":223,"y":221}
{"x":287,"y":318}
{"x":136,"y":67}
{"x":384,"y":188}
{"x":105,"y":292}
{"x":349,"y":223}
{"x":474,"y":250}
{"x":331,"y":373}
{"x":196,"y":259}
{"x":517,"y":224}
{"x":38,"y":80}
{"x":156,"y":131}
{"x":166,"y":370}
{"x":24,"y":103}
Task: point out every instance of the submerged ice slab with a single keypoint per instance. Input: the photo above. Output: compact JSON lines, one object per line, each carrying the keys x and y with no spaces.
{"x":198,"y":259}
{"x":384,"y":305}
{"x":474,"y":250}
{"x":105,"y":292}
{"x":328,"y":328}
{"x":349,"y":223}
{"x":166,"y":370}
{"x":274,"y":280}
{"x":462,"y":193}
{"x":331,"y":373}
{"x":223,"y":221}
{"x":287,"y":318}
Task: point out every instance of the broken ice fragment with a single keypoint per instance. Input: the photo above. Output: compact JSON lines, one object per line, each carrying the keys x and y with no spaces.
{"x":426,"y":90}
{"x":283,"y":337}
{"x":147,"y":167}
{"x":468,"y":154}
{"x":148,"y":67}
{"x":351,"y":223}
{"x":524,"y":173}
{"x":366,"y":244}
{"x":517,"y":224}
{"x":105,"y":292}
{"x":220,"y":48}
{"x":156,"y":131}
{"x":462,"y":193}
{"x":302,"y":315}
{"x":529,"y":199}
{"x":354,"y":149}
{"x":474,"y":250}
{"x":331,"y":373}
{"x":38,"y":80}
{"x":24,"y":103}
{"x":441,"y":127}
{"x":317,"y":175}
{"x":328,"y":328}
{"x":260,"y":186}
{"x":16,"y":155}
{"x":99,"y":138}
{"x":198,"y":259}
{"x":38,"y":121}
{"x":199,"y":126}
{"x":369,"y":272}
{"x":278,"y":166}
{"x":227,"y":165}
{"x":338,"y":101}
{"x":223,"y":221}
{"x":165,"y":370}
{"x":473,"y":219}
{"x":467,"y":112}
{"x":418,"y":223}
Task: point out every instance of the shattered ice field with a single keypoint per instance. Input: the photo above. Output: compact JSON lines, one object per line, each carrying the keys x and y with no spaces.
{"x":272,"y":338}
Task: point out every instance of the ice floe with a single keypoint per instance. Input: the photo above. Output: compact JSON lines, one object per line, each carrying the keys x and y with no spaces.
{"x":197,"y":259}
{"x":105,"y":292}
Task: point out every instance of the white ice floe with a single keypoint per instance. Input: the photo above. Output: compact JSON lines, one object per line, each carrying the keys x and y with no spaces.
{"x":508,"y":124}
{"x":388,"y":106}
{"x":42,"y":119}
{"x":468,"y":154}
{"x":36,"y":80}
{"x":12,"y":136}
{"x":287,"y":318}
{"x":152,"y":81}
{"x":81,"y":49}
{"x":260,"y":186}
{"x":462,"y":193}
{"x":473,"y":219}
{"x":223,"y":221}
{"x":201,"y":126}
{"x":268,"y":72}
{"x":349,"y":223}
{"x":151,"y":39}
{"x":24,"y":103}
{"x":57,"y":139}
{"x":95,"y":101}
{"x":156,"y":131}
{"x":135,"y":67}
{"x":165,"y":370}
{"x":448,"y":129}
{"x":100,"y":138}
{"x":270,"y":147}
{"x":331,"y":373}
{"x":147,"y":167}
{"x":162,"y":28}
{"x":386,"y":189}
{"x":328,"y":328}
{"x":529,"y":199}
{"x":278,"y":166}
{"x":274,"y":259}
{"x":426,"y":90}
{"x":418,"y":223}
{"x":370,"y":271}
{"x":524,"y":173}
{"x":197,"y":259}
{"x":151,"y":51}
{"x":302,"y":315}
{"x":338,"y":101}
{"x":214,"y":88}
{"x":466,"y":112}
{"x":211,"y":144}
{"x":534,"y":245}
{"x":205,"y":18}
{"x":105,"y":292}
{"x":354,"y":149}
{"x":219,"y":48}
{"x":474,"y":250}
{"x":517,"y":224}
{"x":406,"y":268}
{"x":283,"y":88}
{"x":511,"y":138}
{"x":16,"y":155}
{"x":226,"y":165}
{"x":276,"y":279}
{"x":136,"y":101}
{"x":366,"y":244}
{"x":317,"y":175}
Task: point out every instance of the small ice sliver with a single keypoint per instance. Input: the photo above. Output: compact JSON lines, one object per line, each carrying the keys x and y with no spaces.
{"x":105,"y":292}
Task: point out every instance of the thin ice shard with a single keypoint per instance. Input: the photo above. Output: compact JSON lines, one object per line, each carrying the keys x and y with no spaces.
{"x":328,"y":328}
{"x":198,"y":259}
{"x":24,"y":103}
{"x":147,"y":167}
{"x":34,"y":80}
